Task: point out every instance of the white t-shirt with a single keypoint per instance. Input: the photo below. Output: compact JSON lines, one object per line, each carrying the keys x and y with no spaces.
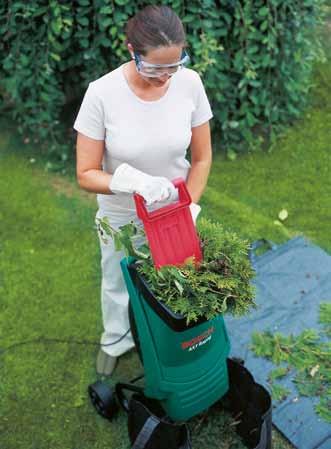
{"x":152,"y":136}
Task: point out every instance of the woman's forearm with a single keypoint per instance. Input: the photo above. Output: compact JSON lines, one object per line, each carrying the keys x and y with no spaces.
{"x":96,"y":181}
{"x":197,"y":179}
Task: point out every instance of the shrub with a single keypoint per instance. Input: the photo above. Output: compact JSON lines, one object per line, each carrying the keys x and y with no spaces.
{"x":255,"y":57}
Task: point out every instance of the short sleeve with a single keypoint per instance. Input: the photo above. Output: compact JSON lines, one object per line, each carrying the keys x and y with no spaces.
{"x":90,"y":118}
{"x":202,"y":111}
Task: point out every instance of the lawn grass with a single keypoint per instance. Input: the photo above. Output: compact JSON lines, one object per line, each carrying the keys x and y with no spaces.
{"x":50,"y":318}
{"x":248,"y":194}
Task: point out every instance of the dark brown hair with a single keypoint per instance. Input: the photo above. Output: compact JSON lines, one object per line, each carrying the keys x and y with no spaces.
{"x":154,"y":26}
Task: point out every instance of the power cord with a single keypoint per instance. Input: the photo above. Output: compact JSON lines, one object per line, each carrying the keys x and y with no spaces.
{"x":117,"y":341}
{"x":61,"y":340}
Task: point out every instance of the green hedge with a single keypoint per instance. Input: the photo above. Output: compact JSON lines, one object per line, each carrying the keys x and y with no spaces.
{"x":255,"y":57}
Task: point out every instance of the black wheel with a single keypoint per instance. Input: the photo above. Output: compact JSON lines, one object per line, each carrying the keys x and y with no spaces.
{"x":134,"y":332}
{"x":103,"y":399}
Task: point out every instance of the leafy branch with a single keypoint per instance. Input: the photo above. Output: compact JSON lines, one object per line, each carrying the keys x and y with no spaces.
{"x":220,"y":284}
{"x":308,"y":354}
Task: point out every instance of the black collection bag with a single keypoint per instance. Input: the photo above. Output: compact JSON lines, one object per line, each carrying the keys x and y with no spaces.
{"x":149,"y":428}
{"x":148,"y":425}
{"x":248,"y":402}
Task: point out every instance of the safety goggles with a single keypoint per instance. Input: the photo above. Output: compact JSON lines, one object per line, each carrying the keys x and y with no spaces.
{"x":157,"y":70}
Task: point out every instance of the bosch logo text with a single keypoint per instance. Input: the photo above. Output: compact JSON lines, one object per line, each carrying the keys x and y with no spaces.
{"x":199,"y":340}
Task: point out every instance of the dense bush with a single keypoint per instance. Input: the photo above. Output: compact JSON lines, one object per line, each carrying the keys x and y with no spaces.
{"x":255,"y":57}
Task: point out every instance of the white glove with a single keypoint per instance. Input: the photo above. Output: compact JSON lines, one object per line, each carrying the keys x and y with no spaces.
{"x":195,"y":210}
{"x":152,"y":188}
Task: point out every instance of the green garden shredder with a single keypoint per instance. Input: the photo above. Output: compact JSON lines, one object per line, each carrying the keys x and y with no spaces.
{"x":184,"y":365}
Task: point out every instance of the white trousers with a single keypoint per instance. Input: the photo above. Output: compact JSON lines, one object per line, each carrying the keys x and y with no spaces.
{"x":114,"y":295}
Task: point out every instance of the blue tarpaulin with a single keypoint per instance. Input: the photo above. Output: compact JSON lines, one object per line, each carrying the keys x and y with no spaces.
{"x":292,"y":279}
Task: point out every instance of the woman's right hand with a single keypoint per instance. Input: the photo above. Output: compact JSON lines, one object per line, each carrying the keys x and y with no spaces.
{"x":152,"y":188}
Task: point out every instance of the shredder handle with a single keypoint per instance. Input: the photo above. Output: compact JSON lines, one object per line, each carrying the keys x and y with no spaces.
{"x":184,"y":200}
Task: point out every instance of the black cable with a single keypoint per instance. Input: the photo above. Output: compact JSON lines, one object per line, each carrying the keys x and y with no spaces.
{"x":60,"y":340}
{"x":141,"y":376}
{"x":117,"y":341}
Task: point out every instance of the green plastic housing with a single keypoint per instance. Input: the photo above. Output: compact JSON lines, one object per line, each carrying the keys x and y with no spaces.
{"x":186,"y":370}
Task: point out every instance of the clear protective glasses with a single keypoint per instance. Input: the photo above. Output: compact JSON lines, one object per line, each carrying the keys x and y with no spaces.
{"x":156,"y":70}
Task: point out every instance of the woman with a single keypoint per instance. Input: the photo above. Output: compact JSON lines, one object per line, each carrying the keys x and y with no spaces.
{"x":134,"y":127}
